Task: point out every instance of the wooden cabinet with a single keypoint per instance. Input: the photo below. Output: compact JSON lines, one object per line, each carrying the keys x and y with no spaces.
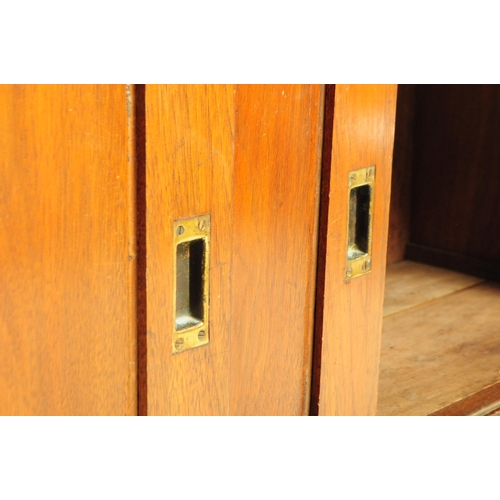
{"x":93,"y":180}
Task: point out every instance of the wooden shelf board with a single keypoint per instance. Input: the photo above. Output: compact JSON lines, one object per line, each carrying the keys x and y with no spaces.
{"x":443,"y":347}
{"x":409,"y":284}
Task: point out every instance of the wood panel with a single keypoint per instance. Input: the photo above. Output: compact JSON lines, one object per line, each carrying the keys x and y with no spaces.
{"x":487,"y":269}
{"x":276,"y":196}
{"x":456,"y":207}
{"x":409,"y":284}
{"x":440,"y":352}
{"x":399,"y":218}
{"x":249,"y":155}
{"x":189,"y":171}
{"x":67,"y":266}
{"x":363,"y":135}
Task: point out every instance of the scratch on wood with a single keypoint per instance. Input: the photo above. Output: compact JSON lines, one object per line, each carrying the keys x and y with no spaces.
{"x":220,"y":264}
{"x":204,"y":161}
{"x":167,"y":158}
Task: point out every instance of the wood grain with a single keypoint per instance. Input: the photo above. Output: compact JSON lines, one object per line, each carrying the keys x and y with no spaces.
{"x":189,"y":171}
{"x":363,"y":135}
{"x":67,"y":266}
{"x":276,"y":196}
{"x":456,"y":176}
{"x":440,"y":352}
{"x":409,"y":284}
{"x":248,"y":155}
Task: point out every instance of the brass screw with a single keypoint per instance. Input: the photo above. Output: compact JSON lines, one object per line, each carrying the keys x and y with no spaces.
{"x":369,"y":174}
{"x":348,"y":272}
{"x":201,"y":335}
{"x":180,"y":230}
{"x":179,"y":344}
{"x":202,"y":224}
{"x":353,"y":177}
{"x":366,"y":266}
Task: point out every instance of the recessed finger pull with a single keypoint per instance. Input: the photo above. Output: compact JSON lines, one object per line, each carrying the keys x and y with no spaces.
{"x":191,"y":284}
{"x":360,"y":222}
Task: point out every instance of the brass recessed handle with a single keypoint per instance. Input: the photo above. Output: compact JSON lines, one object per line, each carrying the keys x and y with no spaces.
{"x":360,"y":222}
{"x":191,"y":284}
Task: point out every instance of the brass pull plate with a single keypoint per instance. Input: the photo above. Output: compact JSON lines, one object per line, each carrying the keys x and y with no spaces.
{"x":191,"y":283}
{"x":360,"y":222}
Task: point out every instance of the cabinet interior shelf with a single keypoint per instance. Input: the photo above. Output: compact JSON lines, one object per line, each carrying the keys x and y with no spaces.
{"x":440,"y":342}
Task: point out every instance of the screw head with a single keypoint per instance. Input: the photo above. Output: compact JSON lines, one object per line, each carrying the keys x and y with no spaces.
{"x":201,"y":335}
{"x":369,"y":174}
{"x":202,"y":224}
{"x":366,"y":266}
{"x":353,"y":177}
{"x":348,"y":272}
{"x":180,"y":230}
{"x":179,"y":344}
